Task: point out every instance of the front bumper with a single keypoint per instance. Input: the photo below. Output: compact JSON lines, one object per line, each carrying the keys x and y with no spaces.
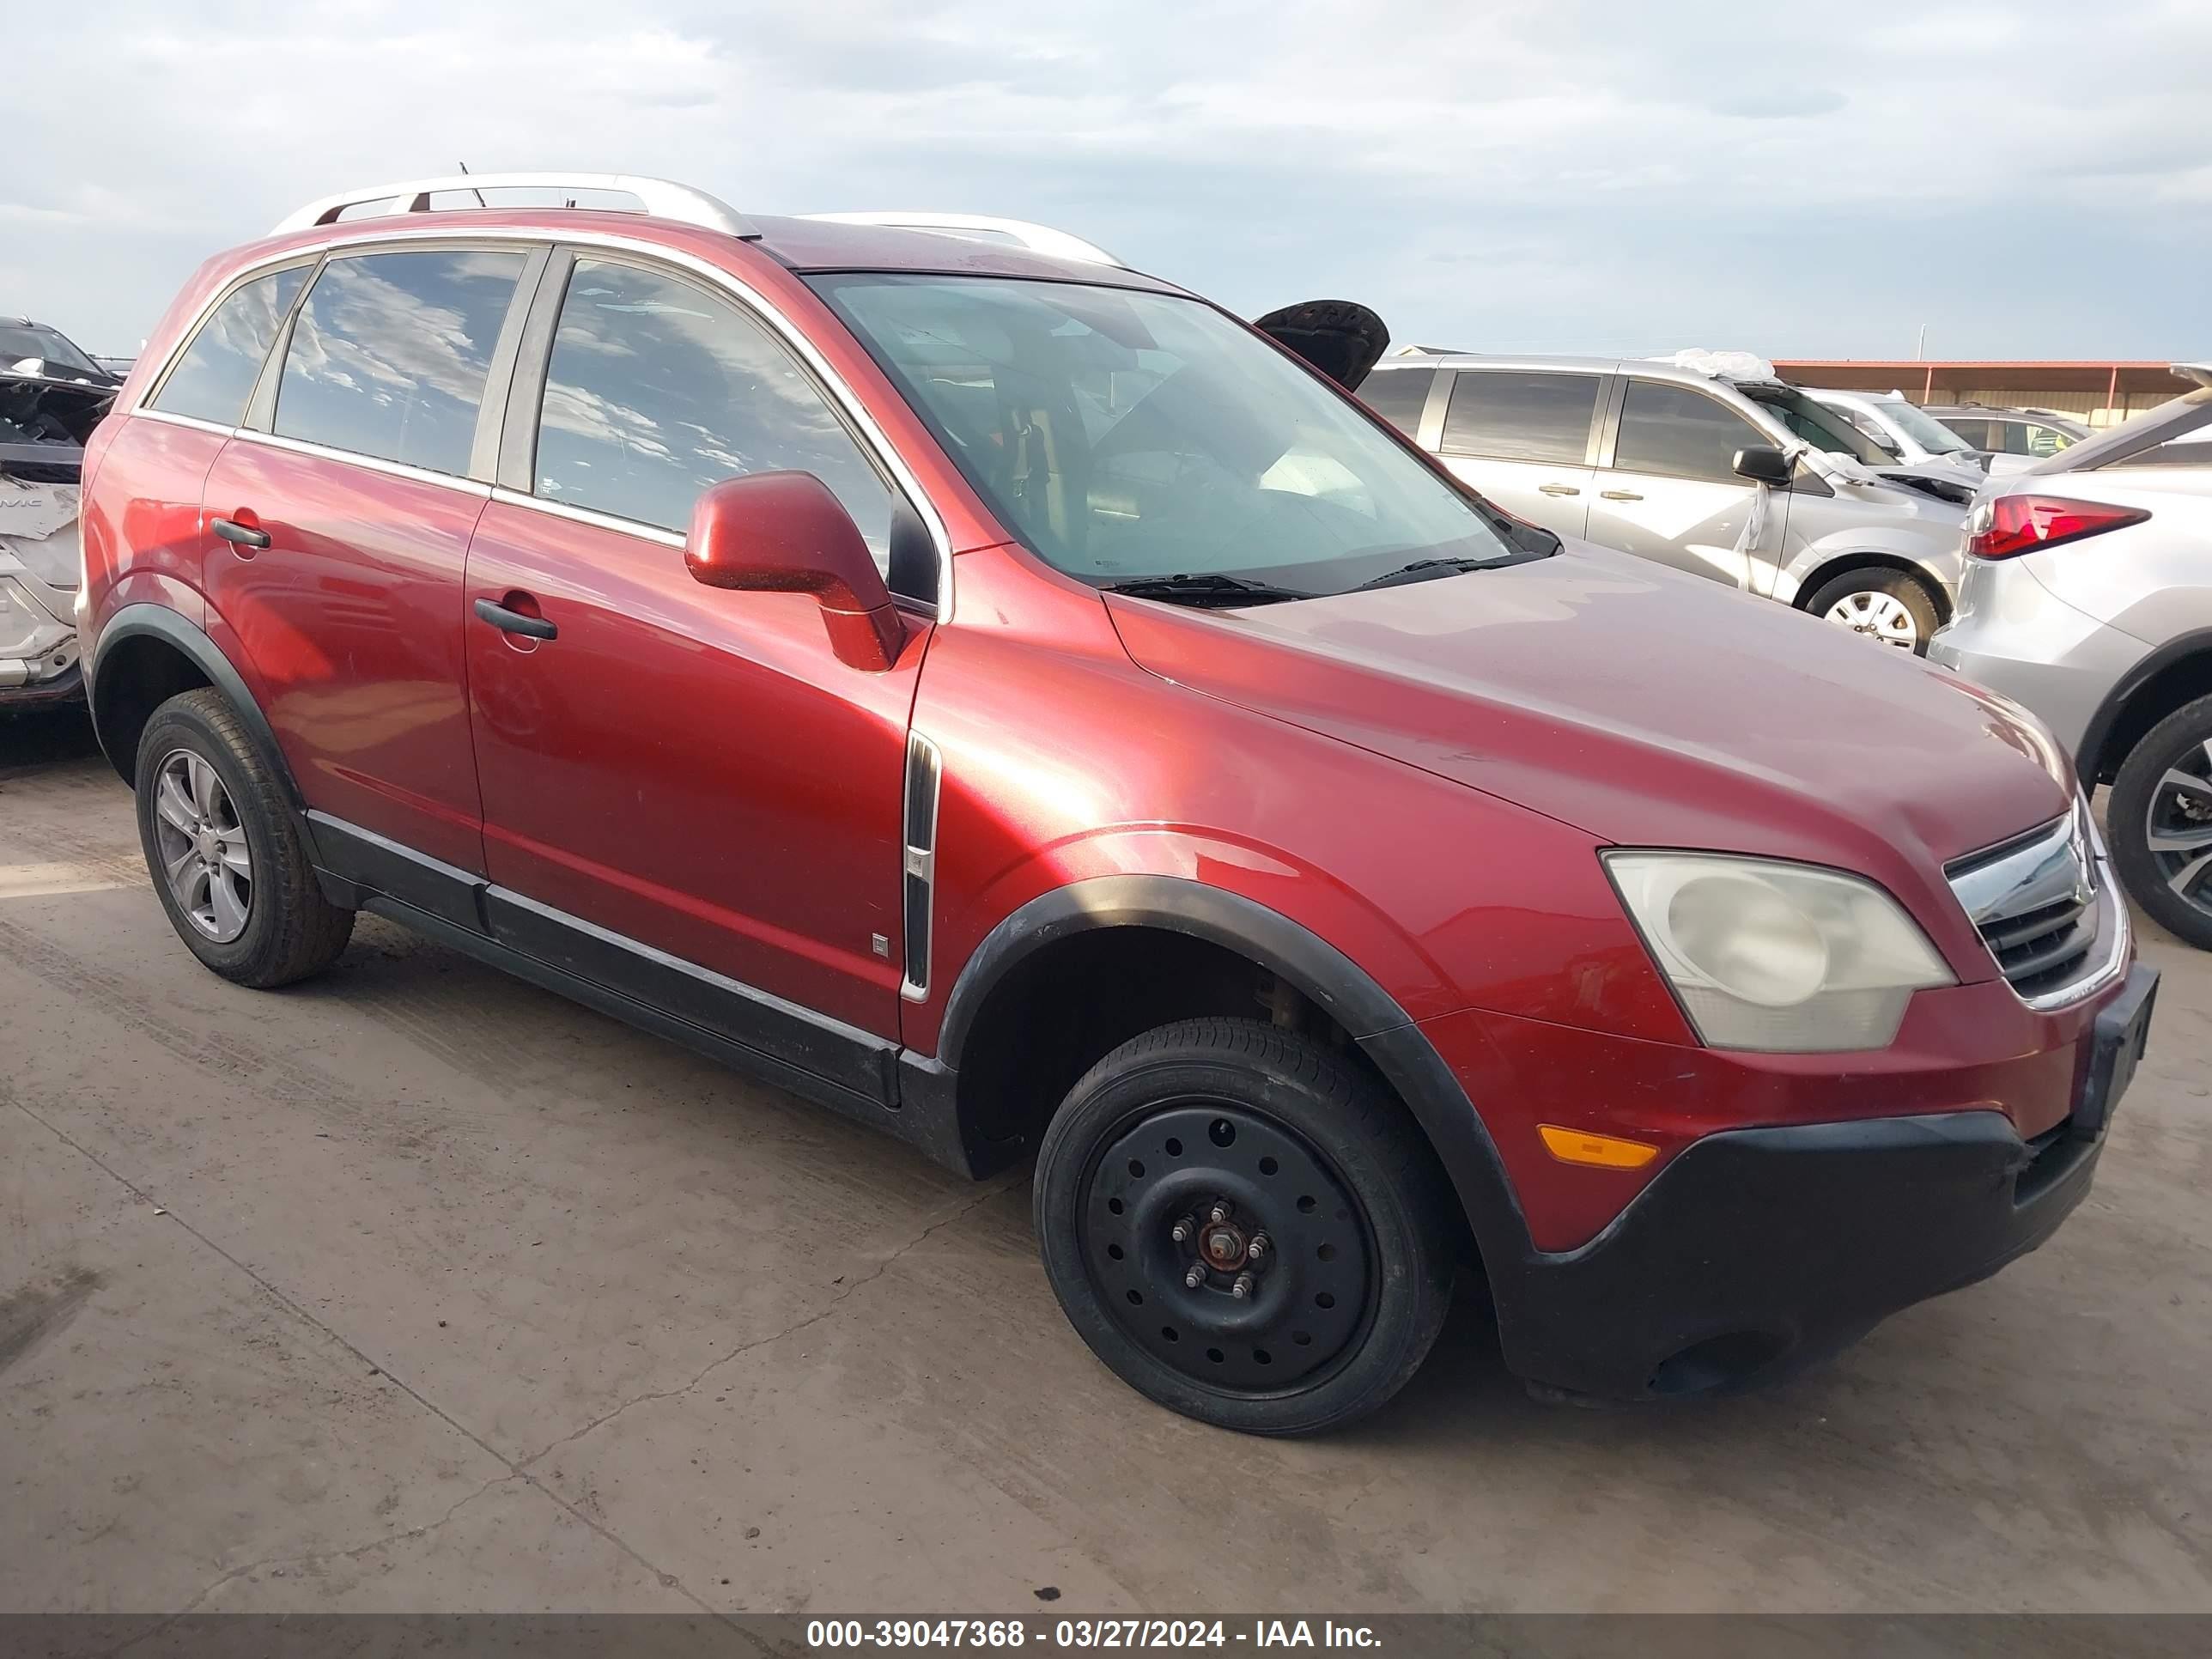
{"x":1756,"y":1252}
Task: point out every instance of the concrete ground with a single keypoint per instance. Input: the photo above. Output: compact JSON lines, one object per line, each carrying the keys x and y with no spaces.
{"x":416,"y":1288}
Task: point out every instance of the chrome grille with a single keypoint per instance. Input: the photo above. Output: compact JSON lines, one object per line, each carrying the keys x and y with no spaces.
{"x":2041,"y":903}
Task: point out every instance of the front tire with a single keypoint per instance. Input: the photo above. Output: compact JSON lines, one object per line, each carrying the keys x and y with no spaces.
{"x":1308,"y":1155}
{"x":2159,"y":821}
{"x":225,"y":851}
{"x":1887,"y":607}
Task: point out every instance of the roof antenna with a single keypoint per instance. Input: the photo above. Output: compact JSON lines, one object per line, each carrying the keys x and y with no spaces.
{"x":478,"y":194}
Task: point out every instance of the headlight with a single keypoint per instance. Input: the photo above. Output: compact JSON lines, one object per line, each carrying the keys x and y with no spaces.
{"x":1778,"y":957}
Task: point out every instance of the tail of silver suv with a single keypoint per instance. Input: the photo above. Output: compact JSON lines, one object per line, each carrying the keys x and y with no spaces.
{"x":2087,"y":596}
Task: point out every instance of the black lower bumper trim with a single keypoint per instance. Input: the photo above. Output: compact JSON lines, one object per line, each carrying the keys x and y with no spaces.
{"x":1758,"y":1251}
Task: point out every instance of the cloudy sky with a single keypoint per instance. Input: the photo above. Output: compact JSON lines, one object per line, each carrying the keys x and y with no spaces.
{"x":2025,"y":179}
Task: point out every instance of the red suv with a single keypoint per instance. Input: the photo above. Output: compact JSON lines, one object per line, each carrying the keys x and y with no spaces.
{"x":1002,"y":697}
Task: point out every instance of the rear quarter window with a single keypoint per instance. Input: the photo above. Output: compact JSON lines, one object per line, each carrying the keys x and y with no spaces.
{"x":214,"y":376}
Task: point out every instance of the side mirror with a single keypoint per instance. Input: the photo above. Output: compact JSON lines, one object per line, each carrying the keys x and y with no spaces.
{"x":785,"y":532}
{"x":1764,"y":464}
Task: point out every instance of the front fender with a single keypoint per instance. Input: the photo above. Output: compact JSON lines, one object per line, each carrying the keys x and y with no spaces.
{"x":1932,"y":549}
{"x":1397,"y":1047}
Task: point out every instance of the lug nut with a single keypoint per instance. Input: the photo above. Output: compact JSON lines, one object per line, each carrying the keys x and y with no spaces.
{"x":1221,"y":1211}
{"x":1196,"y":1276}
{"x":1259,"y":1247}
{"x":1184,"y":1230}
{"x":1245,"y":1285}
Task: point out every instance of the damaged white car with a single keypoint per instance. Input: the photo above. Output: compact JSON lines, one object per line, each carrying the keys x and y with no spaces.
{"x":51,"y":396}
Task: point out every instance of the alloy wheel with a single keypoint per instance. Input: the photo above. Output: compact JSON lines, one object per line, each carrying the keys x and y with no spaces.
{"x":205,"y":856}
{"x":2177,"y":826}
{"x":1227,"y":1248}
{"x":1879,"y":616}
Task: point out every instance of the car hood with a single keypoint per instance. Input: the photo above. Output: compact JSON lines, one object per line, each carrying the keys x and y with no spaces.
{"x":1641,"y":705}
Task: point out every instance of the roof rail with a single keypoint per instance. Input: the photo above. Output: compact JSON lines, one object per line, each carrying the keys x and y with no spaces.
{"x":1037,"y":239}
{"x":661,"y":197}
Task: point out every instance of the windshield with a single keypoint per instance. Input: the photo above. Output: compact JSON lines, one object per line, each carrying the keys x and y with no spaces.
{"x":1127,"y":436}
{"x":1930,"y":434}
{"x":1819,"y":425}
{"x":22,"y":340}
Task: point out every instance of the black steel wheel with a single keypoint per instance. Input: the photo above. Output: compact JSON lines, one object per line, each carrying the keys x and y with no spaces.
{"x":1245,"y":1227}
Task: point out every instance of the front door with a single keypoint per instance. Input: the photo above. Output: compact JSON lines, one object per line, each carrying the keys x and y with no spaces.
{"x":684,"y":785}
{"x":341,"y":534}
{"x":1672,"y":494}
{"x":1521,"y":438}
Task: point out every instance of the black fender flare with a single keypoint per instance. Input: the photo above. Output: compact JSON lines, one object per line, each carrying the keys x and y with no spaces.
{"x":159,"y":621}
{"x":1386,"y":1035}
{"x":2090,"y":757}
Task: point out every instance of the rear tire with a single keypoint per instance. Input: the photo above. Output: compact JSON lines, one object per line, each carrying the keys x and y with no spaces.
{"x":1351,"y":1286}
{"x":2159,"y":821}
{"x":1887,"y":606}
{"x":225,"y":851}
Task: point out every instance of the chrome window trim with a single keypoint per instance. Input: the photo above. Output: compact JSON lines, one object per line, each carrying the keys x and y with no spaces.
{"x":637,"y":528}
{"x":191,"y":422}
{"x":380,"y":232}
{"x":374,"y":463}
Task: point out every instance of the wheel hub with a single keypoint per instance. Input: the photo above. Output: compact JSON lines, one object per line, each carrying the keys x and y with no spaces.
{"x":1878,"y":616}
{"x":2177,"y":826}
{"x":200,"y":840}
{"x":1225,"y":1247}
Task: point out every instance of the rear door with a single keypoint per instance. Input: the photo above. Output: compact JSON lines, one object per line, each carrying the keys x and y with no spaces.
{"x":686,"y":793}
{"x":350,"y":499}
{"x":1524,"y":438}
{"x":157,"y":459}
{"x":1671,"y":493}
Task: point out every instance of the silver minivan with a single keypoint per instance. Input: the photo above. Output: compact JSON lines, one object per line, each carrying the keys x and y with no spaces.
{"x":1740,"y":478}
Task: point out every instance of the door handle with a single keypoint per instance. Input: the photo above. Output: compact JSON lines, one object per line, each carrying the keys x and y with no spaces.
{"x":1558,"y":490}
{"x":240,"y":535}
{"x":1618,"y":495}
{"x":513,"y":622}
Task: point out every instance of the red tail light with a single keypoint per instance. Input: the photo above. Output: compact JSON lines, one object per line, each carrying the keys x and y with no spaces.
{"x":2012,"y":524}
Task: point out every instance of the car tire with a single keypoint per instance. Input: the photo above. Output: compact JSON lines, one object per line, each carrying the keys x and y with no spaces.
{"x":1304,"y":1147}
{"x":1890,"y":607}
{"x":244,"y":899}
{"x":2160,"y":827}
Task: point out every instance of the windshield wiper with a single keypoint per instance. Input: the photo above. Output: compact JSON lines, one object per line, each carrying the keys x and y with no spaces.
{"x":1422,"y":571}
{"x":1206,"y":588}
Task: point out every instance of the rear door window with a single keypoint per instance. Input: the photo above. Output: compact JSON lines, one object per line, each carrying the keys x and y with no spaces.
{"x":391,"y":351}
{"x":214,"y":378}
{"x":1510,"y":415}
{"x":1976,"y":433}
{"x":1399,"y":395}
{"x":657,"y":389}
{"x":1679,"y":432}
